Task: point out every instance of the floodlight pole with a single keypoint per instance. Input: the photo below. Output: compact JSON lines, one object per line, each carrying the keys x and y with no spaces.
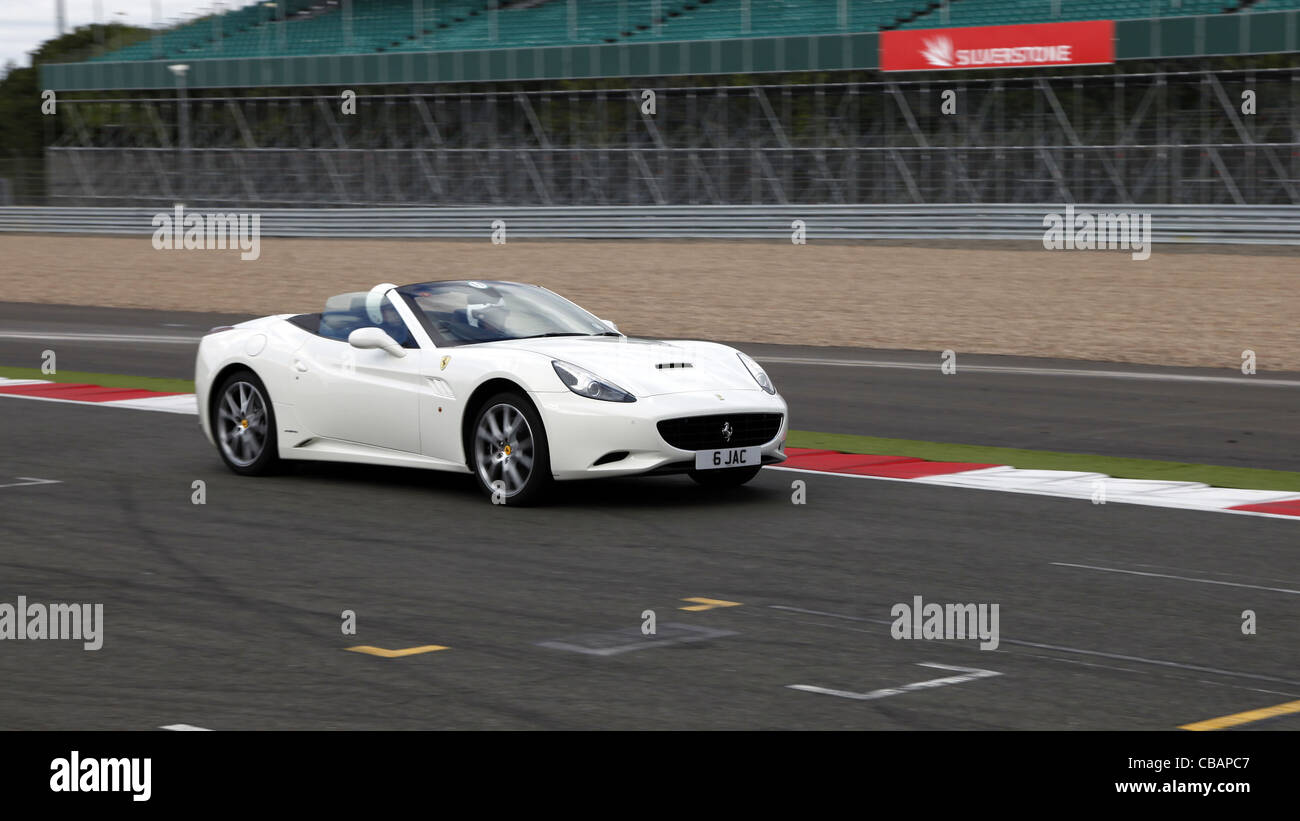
{"x":183,"y":123}
{"x":156,"y":7}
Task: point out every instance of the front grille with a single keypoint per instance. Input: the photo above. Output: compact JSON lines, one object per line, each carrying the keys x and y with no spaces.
{"x":705,"y":432}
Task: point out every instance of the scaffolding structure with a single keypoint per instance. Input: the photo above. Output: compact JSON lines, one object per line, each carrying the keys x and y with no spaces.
{"x":1198,"y":136}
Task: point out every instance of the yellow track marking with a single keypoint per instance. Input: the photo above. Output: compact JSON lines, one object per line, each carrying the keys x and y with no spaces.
{"x":395,"y":654}
{"x":708,"y":604}
{"x":1237,"y":719}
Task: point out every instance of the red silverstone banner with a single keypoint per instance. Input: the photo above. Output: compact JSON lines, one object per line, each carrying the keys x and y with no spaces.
{"x":1034,"y":44}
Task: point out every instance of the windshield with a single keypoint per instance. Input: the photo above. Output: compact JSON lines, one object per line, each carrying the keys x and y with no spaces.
{"x":463,"y":313}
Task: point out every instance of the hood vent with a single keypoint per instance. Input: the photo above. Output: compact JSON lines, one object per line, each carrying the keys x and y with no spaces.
{"x":662,"y":365}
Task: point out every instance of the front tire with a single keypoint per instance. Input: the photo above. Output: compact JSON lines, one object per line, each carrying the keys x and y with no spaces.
{"x":508,"y":451}
{"x":243,"y":423}
{"x":725,"y":477}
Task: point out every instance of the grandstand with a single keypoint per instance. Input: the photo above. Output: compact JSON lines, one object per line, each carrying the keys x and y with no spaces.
{"x":758,"y":101}
{"x":409,"y":25}
{"x":321,"y":27}
{"x":1007,"y":12}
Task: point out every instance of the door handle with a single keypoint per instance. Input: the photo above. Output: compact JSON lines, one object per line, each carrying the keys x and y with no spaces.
{"x":299,"y":366}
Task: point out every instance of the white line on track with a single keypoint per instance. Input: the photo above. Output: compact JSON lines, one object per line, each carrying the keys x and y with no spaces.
{"x":182,"y":728}
{"x":967,"y":674}
{"x":1061,"y":649}
{"x":62,"y":336}
{"x":1032,"y":371}
{"x":28,"y":480}
{"x":950,"y":480}
{"x":1202,"y":572}
{"x":1178,"y":578}
{"x":1057,"y":659}
{"x":125,"y":404}
{"x":1252,"y":689}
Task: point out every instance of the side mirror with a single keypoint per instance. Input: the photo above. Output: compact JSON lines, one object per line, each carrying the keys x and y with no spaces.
{"x":611,"y":325}
{"x":366,"y":338}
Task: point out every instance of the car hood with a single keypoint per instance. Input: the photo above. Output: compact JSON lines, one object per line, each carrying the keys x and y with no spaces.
{"x":648,"y":367}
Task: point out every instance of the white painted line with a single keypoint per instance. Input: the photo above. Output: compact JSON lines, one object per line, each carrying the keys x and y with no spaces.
{"x":1075,"y":650}
{"x":184,"y":728}
{"x":1228,"y":496}
{"x":178,"y":403}
{"x":665,"y":637}
{"x":967,"y":674}
{"x":28,"y":480}
{"x":1161,"y":498}
{"x":128,"y":404}
{"x":60,"y":336}
{"x":1203,"y":572}
{"x":1178,"y":578}
{"x":807,"y":612}
{"x":1012,"y":369}
{"x":1157,"y":492}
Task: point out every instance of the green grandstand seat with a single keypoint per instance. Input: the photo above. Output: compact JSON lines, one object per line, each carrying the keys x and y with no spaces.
{"x":316,"y":26}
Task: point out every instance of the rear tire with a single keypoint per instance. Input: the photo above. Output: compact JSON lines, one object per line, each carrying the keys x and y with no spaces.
{"x":243,"y":423}
{"x":507,"y":451}
{"x":726,"y":477}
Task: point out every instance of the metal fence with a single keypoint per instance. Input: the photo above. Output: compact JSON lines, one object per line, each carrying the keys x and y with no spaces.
{"x":1272,"y":225}
{"x":1198,"y":137}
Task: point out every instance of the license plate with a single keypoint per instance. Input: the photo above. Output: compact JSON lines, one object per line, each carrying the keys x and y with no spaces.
{"x":728,"y":458}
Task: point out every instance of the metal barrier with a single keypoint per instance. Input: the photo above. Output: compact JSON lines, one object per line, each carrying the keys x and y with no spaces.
{"x":1254,"y":224}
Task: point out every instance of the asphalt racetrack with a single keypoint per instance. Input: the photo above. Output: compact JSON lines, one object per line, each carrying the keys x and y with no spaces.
{"x":227,"y":615}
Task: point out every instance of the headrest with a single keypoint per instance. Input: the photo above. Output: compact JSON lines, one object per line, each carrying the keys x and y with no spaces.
{"x":375,"y":302}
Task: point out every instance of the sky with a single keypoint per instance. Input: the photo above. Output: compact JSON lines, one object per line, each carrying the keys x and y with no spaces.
{"x":25,"y":24}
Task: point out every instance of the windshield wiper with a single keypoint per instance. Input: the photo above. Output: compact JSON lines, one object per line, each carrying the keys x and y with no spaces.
{"x":565,"y":333}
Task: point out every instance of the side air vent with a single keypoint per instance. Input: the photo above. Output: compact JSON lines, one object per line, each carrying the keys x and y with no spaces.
{"x":613,"y":456}
{"x":441,"y":387}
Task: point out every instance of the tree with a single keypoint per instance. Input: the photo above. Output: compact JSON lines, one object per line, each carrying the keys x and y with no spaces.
{"x":22,"y":129}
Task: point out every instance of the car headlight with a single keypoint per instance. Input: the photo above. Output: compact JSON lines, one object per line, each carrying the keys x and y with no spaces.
{"x":585,"y":383}
{"x":756,"y":370}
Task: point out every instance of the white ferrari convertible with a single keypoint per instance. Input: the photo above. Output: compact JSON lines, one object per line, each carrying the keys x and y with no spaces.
{"x":507,"y":381}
